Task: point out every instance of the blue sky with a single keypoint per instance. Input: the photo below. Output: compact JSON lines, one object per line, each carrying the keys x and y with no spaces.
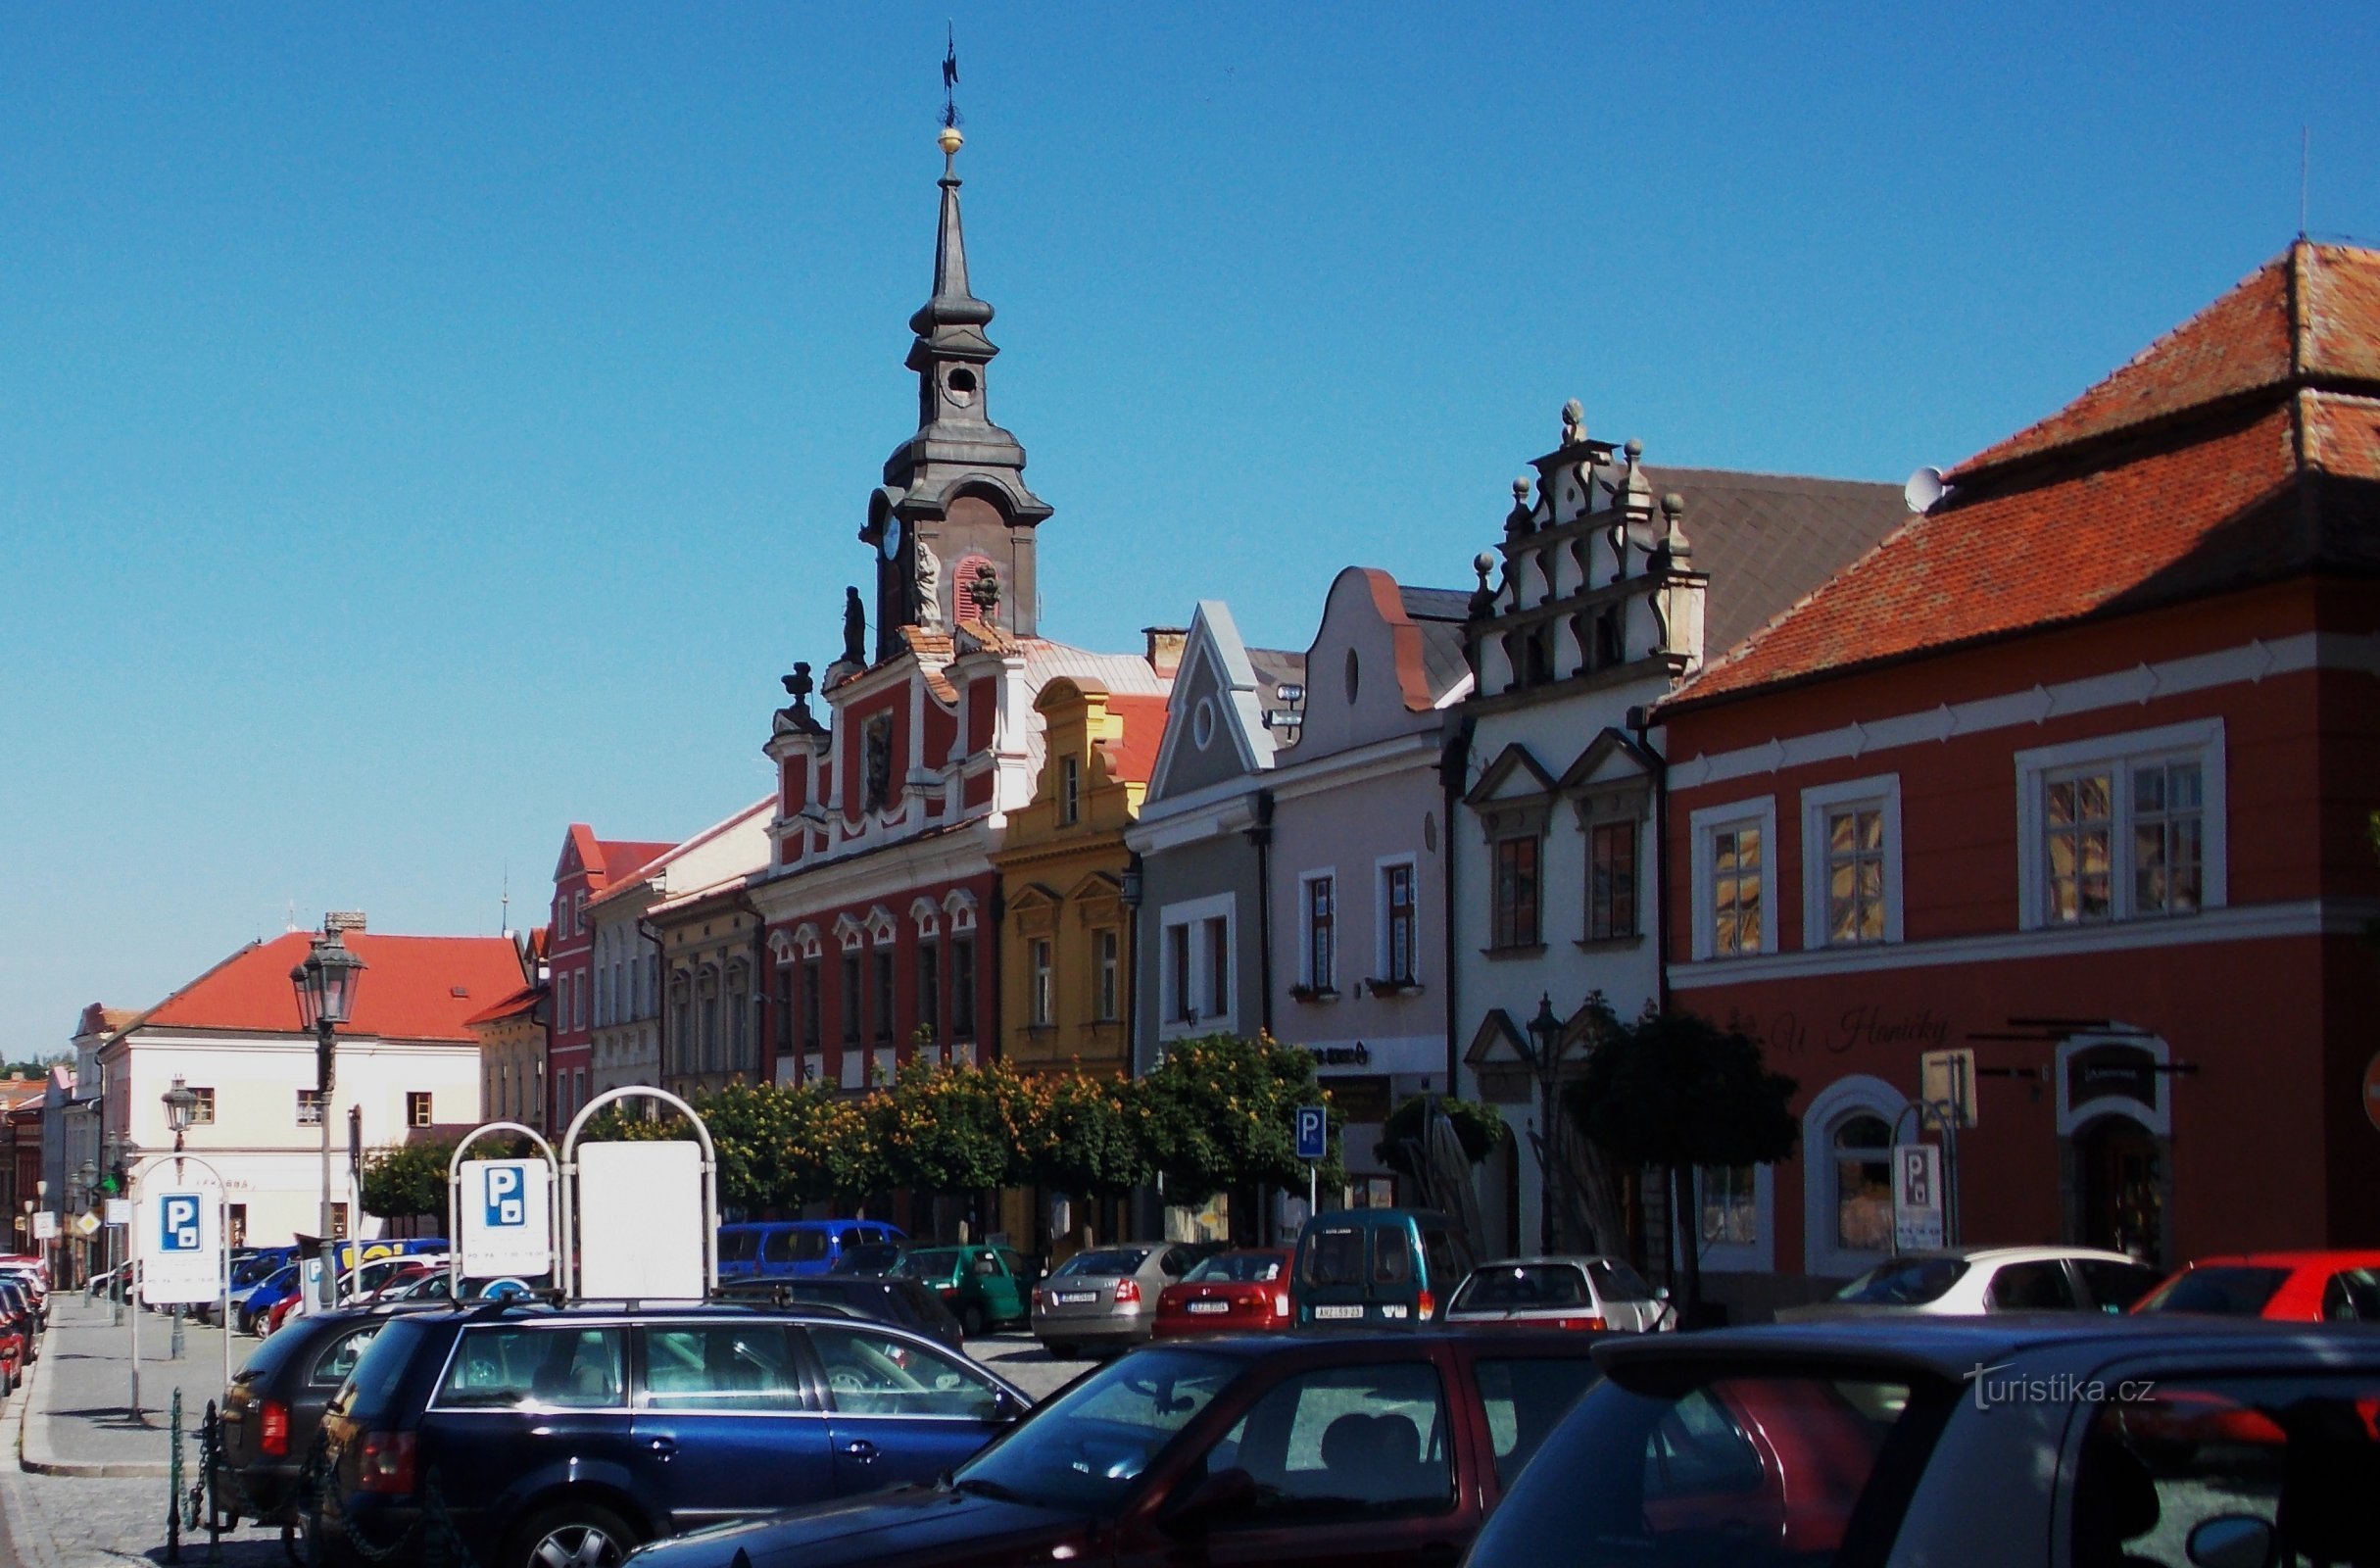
{"x":420,"y":427}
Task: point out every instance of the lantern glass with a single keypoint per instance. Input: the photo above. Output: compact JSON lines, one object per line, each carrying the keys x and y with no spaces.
{"x":1545,"y":1029}
{"x":341,"y":971}
{"x":303,"y":984}
{"x":180,"y":1106}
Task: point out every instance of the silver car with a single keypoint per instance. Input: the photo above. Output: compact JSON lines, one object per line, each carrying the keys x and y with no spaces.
{"x":1106,"y":1298}
{"x":1581,"y":1293}
{"x":1969,"y":1281}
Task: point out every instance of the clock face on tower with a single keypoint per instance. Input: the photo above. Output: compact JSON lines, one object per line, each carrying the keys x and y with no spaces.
{"x":889,"y":542}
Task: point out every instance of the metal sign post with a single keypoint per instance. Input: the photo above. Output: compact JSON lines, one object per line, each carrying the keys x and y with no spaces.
{"x":1313,"y":1147}
{"x":627,"y":1178}
{"x":488,"y":1229}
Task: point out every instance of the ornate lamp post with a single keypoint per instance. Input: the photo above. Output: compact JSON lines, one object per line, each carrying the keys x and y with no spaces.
{"x":325,"y":986}
{"x":1544,"y":1040}
{"x":181,"y":1108}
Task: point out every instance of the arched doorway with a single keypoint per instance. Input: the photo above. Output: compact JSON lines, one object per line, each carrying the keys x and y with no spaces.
{"x":2122,"y":1188}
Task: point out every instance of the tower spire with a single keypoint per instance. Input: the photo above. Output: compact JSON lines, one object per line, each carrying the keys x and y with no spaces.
{"x":951,"y":324}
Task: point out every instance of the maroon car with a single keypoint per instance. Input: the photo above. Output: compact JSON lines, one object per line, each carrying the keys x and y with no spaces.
{"x":1248,"y":1449}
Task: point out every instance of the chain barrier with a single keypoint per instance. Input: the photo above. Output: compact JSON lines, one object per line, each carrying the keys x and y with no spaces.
{"x":209,"y":1489}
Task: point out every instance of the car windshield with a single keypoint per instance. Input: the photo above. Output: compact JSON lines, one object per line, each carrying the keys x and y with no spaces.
{"x":1904,"y":1282}
{"x":739,"y":1247}
{"x":1521,"y":1287}
{"x":929,"y":1266}
{"x":267,"y":1358}
{"x":2227,"y":1290}
{"x":1104,"y":1260}
{"x":1672,"y":1475}
{"x":1085,"y":1448}
{"x":1237,"y":1268}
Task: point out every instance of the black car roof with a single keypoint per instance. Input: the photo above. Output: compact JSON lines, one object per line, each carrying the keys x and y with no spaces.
{"x":1952,"y":1347}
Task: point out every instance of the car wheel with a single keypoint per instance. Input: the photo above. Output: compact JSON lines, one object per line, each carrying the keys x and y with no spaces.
{"x":971,"y":1321}
{"x":573,"y":1534}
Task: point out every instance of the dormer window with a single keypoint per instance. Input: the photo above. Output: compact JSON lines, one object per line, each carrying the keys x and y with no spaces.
{"x":1070,"y":791}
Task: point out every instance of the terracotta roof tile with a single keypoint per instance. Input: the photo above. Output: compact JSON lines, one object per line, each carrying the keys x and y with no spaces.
{"x":520,"y":1001}
{"x":409,"y":990}
{"x":1134,"y":756}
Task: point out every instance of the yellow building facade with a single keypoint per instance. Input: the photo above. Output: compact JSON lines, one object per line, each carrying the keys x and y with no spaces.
{"x":1066,"y":933}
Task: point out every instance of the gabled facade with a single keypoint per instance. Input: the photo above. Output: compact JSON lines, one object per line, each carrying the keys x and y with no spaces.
{"x":1067,"y":932}
{"x":1202,"y":839}
{"x":629,"y":1015}
{"x":586,"y":868}
{"x":1358,"y":895}
{"x":2073,"y":771}
{"x":511,"y":1037}
{"x":1612,"y":583}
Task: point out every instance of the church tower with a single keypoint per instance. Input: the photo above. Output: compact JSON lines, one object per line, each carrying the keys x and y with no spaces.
{"x":952,"y":524}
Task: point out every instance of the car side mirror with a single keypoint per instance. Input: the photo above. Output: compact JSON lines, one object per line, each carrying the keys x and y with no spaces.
{"x":1215,"y":1495}
{"x":1006,"y":1407}
{"x":2231,"y":1540}
{"x":1661,"y":1292}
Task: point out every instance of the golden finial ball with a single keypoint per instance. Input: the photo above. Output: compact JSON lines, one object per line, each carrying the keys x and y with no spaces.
{"x":950,"y":141}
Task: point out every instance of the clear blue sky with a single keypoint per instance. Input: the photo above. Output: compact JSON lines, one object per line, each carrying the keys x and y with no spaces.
{"x":420,"y":427}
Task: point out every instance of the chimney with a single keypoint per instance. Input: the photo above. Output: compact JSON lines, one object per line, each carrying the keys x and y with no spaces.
{"x":1165,"y":648}
{"x":342,"y":920}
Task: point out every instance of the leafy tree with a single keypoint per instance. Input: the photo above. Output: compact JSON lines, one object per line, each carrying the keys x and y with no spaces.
{"x":1087,"y":1142}
{"x":1220,"y":1111}
{"x":952,"y":1129}
{"x":1477,"y":1127}
{"x":1677,"y":1090}
{"x":404,"y":1180}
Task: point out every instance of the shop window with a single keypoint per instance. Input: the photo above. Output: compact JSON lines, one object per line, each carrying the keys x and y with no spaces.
{"x":1862,"y":1147}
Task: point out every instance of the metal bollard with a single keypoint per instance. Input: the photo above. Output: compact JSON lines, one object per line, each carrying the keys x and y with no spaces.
{"x":210,"y":1454}
{"x":173,"y":1485}
{"x":174,"y":1344}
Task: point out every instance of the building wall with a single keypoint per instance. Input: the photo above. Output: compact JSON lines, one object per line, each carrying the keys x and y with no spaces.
{"x":2259,"y":999}
{"x":714,"y":967}
{"x":625,"y":1017}
{"x":1188,"y":886}
{"x":513,"y":1071}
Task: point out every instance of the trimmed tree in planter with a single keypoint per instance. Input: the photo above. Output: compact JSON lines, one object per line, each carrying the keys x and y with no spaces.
{"x":1676,"y":1091}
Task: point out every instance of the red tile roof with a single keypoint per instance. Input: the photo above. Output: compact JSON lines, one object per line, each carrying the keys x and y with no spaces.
{"x":519,"y":1004}
{"x":2023,"y":541}
{"x":413,"y":988}
{"x":1133,"y":758}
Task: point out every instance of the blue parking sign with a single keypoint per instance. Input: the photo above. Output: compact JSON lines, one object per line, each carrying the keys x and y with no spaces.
{"x":177,"y":1222}
{"x":1313,"y":1133}
{"x":507,"y":1203}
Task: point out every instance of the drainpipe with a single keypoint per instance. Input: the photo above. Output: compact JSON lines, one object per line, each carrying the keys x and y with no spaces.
{"x":1641,"y":721}
{"x":1261,"y":836}
{"x":1454,"y":761}
{"x":764,"y":1002}
{"x":660,"y":1012}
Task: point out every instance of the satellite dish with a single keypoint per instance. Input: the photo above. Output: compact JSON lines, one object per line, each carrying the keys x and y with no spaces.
{"x":1924,"y":489}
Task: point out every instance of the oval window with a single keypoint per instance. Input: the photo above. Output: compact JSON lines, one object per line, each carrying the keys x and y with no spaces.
{"x":1202,"y":723}
{"x":1355,"y":674}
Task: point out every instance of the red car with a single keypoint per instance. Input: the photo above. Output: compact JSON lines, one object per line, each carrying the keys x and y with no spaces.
{"x":1247,"y":1289}
{"x":2284,"y":1287}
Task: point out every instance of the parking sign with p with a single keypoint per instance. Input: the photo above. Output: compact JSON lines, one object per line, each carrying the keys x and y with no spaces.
{"x":178,"y":1224}
{"x":181,"y":1247}
{"x":506,"y":1216}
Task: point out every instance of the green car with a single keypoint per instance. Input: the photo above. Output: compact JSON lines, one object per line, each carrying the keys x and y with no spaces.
{"x":984,"y":1287}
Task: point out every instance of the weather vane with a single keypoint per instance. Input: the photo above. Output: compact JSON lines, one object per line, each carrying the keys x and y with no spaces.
{"x":949,"y":80}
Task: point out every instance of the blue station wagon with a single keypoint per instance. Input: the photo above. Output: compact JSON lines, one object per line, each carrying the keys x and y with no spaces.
{"x":571,"y":1436}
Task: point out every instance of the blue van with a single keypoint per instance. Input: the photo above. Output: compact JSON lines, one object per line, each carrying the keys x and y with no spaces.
{"x":779,"y":1248}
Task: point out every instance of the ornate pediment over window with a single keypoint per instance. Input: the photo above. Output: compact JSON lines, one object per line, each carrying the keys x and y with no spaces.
{"x":1611,"y":780}
{"x":1515,"y":793}
{"x":1500,"y":1059}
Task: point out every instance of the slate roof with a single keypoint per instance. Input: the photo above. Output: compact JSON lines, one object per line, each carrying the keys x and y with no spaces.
{"x":413,"y":988}
{"x":1768,"y":539}
{"x":2242,"y":447}
{"x":1439,"y":614}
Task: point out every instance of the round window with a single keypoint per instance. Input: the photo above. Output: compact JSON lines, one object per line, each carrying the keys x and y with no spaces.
{"x":1202,"y":723}
{"x":962,"y":385}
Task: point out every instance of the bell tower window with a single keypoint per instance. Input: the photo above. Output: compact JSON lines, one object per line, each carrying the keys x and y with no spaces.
{"x":962,"y":590}
{"x":961,"y":385}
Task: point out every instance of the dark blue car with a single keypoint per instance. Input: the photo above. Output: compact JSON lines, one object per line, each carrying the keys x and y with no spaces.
{"x":548,"y":1436}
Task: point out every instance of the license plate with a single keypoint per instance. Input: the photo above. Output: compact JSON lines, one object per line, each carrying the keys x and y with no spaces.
{"x":1335,"y":1314}
{"x":1076,"y":1298}
{"x":1210,"y":1306}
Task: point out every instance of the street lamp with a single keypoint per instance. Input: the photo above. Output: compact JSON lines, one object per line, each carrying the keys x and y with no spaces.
{"x":1546,"y":1039}
{"x":182,"y":1107}
{"x":325,"y":984}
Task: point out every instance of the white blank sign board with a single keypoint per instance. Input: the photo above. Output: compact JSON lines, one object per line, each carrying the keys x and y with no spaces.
{"x":641,"y":1221}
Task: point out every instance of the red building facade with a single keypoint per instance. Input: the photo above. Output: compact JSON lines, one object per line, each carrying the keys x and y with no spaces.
{"x":2073,"y":773}
{"x":586,"y":867}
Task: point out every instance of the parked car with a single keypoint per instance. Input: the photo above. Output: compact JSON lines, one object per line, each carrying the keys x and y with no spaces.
{"x":869,"y":1257}
{"x":253,"y":1308}
{"x":1959,"y":1444}
{"x":1589,"y":1292}
{"x":36,"y":1282}
{"x":274,"y":1406}
{"x":566,"y":1436}
{"x":2287,"y":1287}
{"x":254,"y":1269}
{"x":781,"y":1247}
{"x":20,"y":1332}
{"x":1376,"y":1266}
{"x":1347,"y":1449}
{"x":1241,"y":1290}
{"x":903,"y":1303}
{"x":1963,"y":1282}
{"x":985,"y":1287}
{"x":1106,"y":1298}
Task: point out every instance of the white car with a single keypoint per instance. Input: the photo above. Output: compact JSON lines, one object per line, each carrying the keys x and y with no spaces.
{"x":1573,"y":1292}
{"x":1970,"y":1281}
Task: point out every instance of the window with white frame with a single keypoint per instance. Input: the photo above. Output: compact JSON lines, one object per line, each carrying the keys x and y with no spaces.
{"x":1400,"y":924}
{"x":1851,"y":863}
{"x":1109,"y":944}
{"x":1611,"y":879}
{"x":1218,"y":959}
{"x":2122,"y":827}
{"x":1179,"y":979}
{"x":1321,"y":955}
{"x":202,"y":1114}
{"x":1197,"y":967}
{"x":417,"y":1109}
{"x":1070,"y":790}
{"x":1043,"y":962}
{"x":1730,"y":1206}
{"x":309,"y":1107}
{"x":1735,"y":846}
{"x":1847,"y":1134}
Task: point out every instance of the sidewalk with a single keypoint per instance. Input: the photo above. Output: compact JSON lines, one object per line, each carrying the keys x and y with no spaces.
{"x":76,"y":1416}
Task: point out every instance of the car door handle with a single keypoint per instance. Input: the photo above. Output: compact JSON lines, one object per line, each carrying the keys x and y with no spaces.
{"x":664,"y":1447}
{"x":861,"y":1450}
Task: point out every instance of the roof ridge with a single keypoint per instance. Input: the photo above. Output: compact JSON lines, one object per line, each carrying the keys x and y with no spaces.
{"x":1744,"y":644}
{"x":196,"y":980}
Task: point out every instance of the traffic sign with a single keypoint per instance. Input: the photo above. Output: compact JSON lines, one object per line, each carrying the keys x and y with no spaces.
{"x":180,"y":1242}
{"x":45,"y":1226}
{"x":87,"y":1224}
{"x":507,"y":1217}
{"x":120,"y":1212}
{"x":1313,"y":1133}
{"x":1949,"y":1076}
{"x":1917,"y":1195}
